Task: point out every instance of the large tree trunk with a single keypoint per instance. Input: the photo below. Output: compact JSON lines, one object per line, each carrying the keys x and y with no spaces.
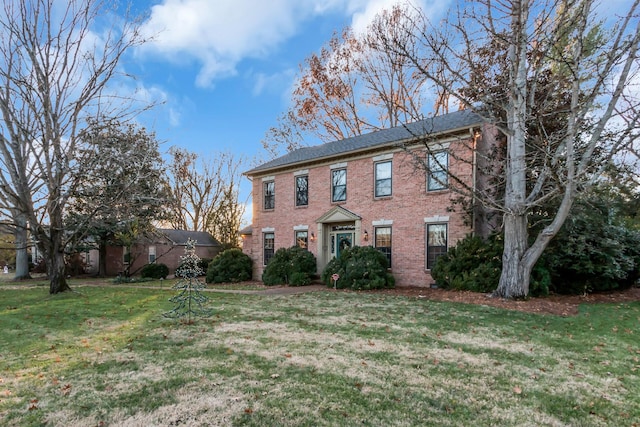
{"x":21,"y":238}
{"x":514,"y":279}
{"x":56,"y":269}
{"x":102,"y":258}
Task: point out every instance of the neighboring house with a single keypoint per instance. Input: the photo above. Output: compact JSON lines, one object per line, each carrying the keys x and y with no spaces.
{"x":163,"y":246}
{"x":367,"y":190}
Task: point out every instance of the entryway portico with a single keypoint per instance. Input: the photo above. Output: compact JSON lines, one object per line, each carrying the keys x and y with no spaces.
{"x":338,"y":229}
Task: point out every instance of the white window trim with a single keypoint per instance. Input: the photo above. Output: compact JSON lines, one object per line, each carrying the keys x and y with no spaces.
{"x":382,"y":222}
{"x":383,"y":157}
{"x":300,"y":228}
{"x":301,"y":172}
{"x":436,"y":219}
{"x":341,"y":165}
{"x":268,"y":178}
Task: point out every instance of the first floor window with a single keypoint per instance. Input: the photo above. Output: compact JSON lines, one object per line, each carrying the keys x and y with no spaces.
{"x":438,"y":169}
{"x":436,"y":243}
{"x":339,"y":185}
{"x":269,"y":245}
{"x":269,"y":195}
{"x":382,"y":242}
{"x":152,"y":254}
{"x":302,"y":239}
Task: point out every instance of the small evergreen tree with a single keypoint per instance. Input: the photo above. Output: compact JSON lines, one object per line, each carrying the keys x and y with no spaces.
{"x":189,"y":302}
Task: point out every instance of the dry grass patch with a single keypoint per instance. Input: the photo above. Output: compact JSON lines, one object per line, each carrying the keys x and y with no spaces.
{"x":326,"y":359}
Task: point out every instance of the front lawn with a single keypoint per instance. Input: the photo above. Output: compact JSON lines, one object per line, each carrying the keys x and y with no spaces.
{"x":107,"y":356}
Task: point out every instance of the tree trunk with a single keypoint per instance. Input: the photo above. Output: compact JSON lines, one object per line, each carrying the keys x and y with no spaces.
{"x":514,"y":278}
{"x":56,"y":270}
{"x":21,"y":238}
{"x":102,"y":259}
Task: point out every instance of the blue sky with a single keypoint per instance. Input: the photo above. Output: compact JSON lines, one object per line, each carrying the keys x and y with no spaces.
{"x":224,"y":68}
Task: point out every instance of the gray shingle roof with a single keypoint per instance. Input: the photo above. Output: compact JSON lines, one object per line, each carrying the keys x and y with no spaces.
{"x":447,"y":122}
{"x":180,"y":237}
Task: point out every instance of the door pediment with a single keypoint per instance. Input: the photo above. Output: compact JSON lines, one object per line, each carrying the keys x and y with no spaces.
{"x":338,"y":214}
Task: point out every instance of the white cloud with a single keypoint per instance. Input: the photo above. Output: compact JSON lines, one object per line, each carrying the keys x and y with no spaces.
{"x":218,"y":34}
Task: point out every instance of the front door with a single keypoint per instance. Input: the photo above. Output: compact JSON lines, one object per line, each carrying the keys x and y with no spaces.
{"x":343,"y":241}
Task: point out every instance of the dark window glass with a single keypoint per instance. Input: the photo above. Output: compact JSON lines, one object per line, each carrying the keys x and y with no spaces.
{"x":269,"y":195}
{"x":339,"y":185}
{"x":383,"y":179}
{"x":302,"y":190}
{"x":382,"y":242}
{"x":269,"y":245}
{"x":436,"y":243}
{"x":438,"y":164}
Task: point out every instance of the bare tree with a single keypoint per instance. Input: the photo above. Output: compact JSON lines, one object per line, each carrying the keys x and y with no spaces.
{"x":590,"y":64}
{"x":54,"y":74}
{"x":351,"y":87}
{"x":204,"y":194}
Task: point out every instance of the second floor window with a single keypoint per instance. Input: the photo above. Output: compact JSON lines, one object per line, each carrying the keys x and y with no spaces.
{"x":383,"y":179}
{"x":302,"y":190}
{"x":269,"y":195}
{"x":339,"y":185}
{"x":438,"y":170}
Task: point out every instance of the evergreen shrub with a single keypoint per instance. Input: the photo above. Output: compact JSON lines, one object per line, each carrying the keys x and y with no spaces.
{"x":475,"y":264}
{"x":293,"y":266}
{"x":231,"y":265}
{"x":155,"y":271}
{"x":359,"y":268}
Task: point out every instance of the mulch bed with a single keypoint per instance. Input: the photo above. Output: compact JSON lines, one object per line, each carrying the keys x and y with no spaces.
{"x":561,"y":305}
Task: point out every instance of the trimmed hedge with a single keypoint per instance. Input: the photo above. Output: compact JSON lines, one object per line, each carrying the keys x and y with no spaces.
{"x":155,"y":271}
{"x":231,"y":265}
{"x":293,"y":266}
{"x":359,"y":268}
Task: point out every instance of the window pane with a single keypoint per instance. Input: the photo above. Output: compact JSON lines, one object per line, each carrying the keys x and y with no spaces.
{"x":269,"y":195}
{"x":383,"y":179}
{"x":302,"y":191}
{"x":382,"y":242}
{"x":339,"y":185}
{"x":438,"y":164}
{"x":302,"y":239}
{"x":269,"y":245}
{"x":436,"y":243}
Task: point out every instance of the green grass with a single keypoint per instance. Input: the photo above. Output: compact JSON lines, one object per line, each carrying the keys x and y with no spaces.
{"x":107,"y":356}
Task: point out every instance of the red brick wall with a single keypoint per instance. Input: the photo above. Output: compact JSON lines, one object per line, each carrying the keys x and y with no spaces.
{"x":407,"y":208}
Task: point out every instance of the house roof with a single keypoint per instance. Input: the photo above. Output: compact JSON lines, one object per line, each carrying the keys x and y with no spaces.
{"x":387,"y":137}
{"x":180,"y":237}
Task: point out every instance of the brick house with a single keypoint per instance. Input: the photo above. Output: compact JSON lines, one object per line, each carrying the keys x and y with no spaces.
{"x":163,"y":246}
{"x":368,"y":190}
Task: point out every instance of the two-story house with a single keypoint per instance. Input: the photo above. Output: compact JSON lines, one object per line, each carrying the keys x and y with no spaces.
{"x":372,"y":189}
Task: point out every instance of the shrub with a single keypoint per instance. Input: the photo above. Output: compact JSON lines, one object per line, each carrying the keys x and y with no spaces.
{"x":359,"y":268}
{"x":204,"y":264}
{"x":231,"y":265}
{"x":293,"y":266}
{"x":590,"y":255}
{"x":155,"y":271}
{"x":475,"y":264}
